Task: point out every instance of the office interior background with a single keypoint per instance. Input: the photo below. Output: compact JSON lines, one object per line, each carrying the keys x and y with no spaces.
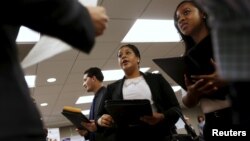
{"x":66,"y":68}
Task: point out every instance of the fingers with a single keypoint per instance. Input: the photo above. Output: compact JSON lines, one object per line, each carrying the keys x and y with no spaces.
{"x":101,"y":25}
{"x":90,"y":126}
{"x":99,"y":19}
{"x":209,"y":88}
{"x":105,"y":121}
{"x":187,"y":82}
{"x":212,"y":61}
{"x":204,"y":87}
{"x":152,"y":120}
{"x":82,"y":132}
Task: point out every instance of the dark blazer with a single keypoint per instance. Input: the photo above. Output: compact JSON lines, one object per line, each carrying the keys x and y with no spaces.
{"x":95,"y":108}
{"x":98,"y":99}
{"x":165,"y":102}
{"x":65,"y":19}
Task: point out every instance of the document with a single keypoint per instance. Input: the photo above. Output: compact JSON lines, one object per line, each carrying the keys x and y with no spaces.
{"x":75,"y":116}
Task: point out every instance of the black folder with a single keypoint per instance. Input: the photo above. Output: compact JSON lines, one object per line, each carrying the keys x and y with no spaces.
{"x":75,"y":116}
{"x":128,"y":112}
{"x":175,"y":68}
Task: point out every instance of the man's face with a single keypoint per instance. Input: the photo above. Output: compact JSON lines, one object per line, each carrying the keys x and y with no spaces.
{"x":88,"y":83}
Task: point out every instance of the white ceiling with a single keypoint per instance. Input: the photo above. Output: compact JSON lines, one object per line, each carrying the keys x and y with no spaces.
{"x":68,"y":67}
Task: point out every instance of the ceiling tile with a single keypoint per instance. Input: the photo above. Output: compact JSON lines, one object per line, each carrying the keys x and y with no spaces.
{"x":125,"y":9}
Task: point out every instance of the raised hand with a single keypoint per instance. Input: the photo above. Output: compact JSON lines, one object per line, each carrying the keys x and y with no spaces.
{"x":99,"y":19}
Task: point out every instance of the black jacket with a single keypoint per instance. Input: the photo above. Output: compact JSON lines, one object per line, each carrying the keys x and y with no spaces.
{"x":95,"y":136}
{"x":65,"y":19}
{"x":165,"y":102}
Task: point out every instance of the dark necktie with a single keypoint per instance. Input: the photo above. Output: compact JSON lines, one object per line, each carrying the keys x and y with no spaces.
{"x":92,"y":110}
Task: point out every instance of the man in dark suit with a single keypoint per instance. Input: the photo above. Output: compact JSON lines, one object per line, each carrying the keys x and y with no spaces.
{"x":92,"y":82}
{"x":66,"y":19}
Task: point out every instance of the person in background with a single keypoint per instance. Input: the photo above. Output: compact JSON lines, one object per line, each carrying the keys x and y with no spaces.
{"x":201,"y":123}
{"x":92,"y":82}
{"x":138,"y":85}
{"x":204,"y":86}
{"x":229,"y":22}
{"x":67,"y":20}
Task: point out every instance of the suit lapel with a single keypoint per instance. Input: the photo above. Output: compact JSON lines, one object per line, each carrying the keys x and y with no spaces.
{"x":151,"y":83}
{"x":118,"y":90}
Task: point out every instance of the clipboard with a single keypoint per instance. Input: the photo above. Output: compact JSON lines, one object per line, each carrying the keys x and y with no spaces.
{"x":75,"y":116}
{"x":175,"y":67}
{"x":128,"y":112}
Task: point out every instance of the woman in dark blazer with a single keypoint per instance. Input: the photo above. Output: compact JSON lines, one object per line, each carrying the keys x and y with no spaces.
{"x":137,"y":85}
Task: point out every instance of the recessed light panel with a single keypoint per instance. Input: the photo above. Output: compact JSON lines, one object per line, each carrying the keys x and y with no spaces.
{"x":146,"y":30}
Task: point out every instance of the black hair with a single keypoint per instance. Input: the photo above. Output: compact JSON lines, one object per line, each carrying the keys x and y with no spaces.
{"x":134,"y":49}
{"x":188,"y":41}
{"x":200,"y":116}
{"x":94,"y":71}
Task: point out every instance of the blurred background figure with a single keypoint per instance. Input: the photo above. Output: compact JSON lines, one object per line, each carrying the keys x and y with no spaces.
{"x":229,"y":22}
{"x":67,"y":20}
{"x":201,"y":123}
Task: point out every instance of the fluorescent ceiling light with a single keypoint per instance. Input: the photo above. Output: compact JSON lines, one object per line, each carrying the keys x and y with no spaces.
{"x":85,"y":112}
{"x":85,"y":99}
{"x":110,"y":75}
{"x":156,"y":71}
{"x":145,"y":30}
{"x":176,"y":88}
{"x":27,"y":35}
{"x":50,"y":80}
{"x":89,"y":2}
{"x":30,"y":79}
{"x":44,"y":104}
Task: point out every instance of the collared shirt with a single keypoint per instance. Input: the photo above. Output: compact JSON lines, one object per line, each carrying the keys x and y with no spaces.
{"x":137,"y":88}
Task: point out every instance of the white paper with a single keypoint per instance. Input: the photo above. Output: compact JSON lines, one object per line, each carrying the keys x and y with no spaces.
{"x":45,"y":48}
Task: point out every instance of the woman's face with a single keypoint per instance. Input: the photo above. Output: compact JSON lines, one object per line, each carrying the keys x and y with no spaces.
{"x":127,"y":59}
{"x":189,"y":19}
